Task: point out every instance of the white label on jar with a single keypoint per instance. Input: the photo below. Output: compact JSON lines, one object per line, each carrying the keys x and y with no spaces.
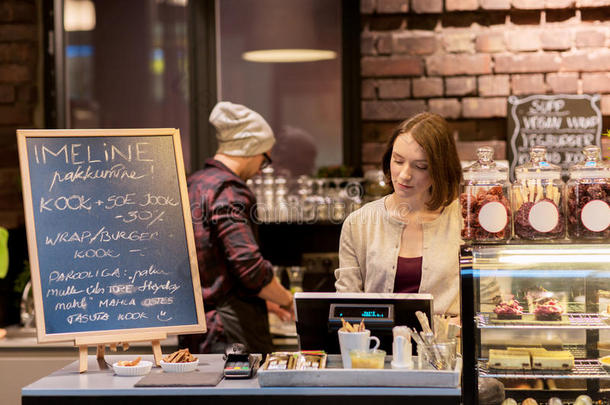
{"x":595,"y":215}
{"x":544,"y":216}
{"x":493,"y":217}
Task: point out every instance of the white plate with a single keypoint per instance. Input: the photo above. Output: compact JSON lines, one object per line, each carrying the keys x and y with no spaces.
{"x":142,"y":368}
{"x":179,"y":367}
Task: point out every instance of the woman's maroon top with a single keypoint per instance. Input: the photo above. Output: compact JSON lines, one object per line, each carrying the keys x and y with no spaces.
{"x":408,"y":275}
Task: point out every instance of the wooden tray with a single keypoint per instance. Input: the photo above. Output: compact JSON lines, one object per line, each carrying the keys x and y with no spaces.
{"x":528,"y":319}
{"x":335,"y":376}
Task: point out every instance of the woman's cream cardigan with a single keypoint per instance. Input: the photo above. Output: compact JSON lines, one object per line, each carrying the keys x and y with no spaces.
{"x":368,"y":254}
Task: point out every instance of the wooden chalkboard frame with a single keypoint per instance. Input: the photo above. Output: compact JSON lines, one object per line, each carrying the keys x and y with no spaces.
{"x":116,"y":335}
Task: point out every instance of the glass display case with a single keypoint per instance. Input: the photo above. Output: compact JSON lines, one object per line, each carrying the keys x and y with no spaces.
{"x":535,"y":317}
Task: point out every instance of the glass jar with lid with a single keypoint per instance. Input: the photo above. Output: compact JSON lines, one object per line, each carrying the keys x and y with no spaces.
{"x":484,"y":199}
{"x":538,"y":199}
{"x":375,"y":185}
{"x":588,"y":197}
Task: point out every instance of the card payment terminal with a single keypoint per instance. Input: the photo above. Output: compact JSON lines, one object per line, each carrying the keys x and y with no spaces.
{"x":240,"y":365}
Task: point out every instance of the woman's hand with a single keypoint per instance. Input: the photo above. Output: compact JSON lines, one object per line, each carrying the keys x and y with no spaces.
{"x":456,"y":320}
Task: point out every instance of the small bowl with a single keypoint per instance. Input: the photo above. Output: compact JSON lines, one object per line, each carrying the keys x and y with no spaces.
{"x":367,"y":359}
{"x":605,"y":362}
{"x":141,"y":368}
{"x":179,"y":367}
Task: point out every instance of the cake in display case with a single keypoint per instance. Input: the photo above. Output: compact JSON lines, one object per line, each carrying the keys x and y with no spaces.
{"x":535,"y":317}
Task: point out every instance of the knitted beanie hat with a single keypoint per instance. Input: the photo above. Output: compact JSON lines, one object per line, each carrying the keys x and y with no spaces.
{"x":240,"y":131}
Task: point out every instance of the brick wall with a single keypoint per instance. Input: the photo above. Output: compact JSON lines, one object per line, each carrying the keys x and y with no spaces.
{"x":19,"y":48}
{"x":463,"y":58}
{"x":459,"y":58}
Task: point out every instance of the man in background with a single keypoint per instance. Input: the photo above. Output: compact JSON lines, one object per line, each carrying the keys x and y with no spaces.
{"x":235,"y":278}
{"x":295,"y":152}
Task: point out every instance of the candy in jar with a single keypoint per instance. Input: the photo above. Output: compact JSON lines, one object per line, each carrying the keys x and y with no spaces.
{"x":538,"y":199}
{"x":484,"y":199}
{"x":588,"y":197}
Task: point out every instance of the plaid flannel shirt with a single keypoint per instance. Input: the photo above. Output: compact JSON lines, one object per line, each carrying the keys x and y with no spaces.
{"x":229,"y":259}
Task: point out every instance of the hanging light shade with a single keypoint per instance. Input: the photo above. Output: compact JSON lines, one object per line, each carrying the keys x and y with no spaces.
{"x":79,"y":15}
{"x":288,"y":55}
{"x":286,"y":31}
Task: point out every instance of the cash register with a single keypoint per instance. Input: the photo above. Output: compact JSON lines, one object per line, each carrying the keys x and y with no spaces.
{"x":318,"y":316}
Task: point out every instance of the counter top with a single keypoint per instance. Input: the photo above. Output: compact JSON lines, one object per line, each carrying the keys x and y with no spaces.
{"x":102,"y":383}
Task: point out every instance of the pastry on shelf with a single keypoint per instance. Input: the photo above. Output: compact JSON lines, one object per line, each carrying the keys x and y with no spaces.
{"x":584,"y":400}
{"x":536,"y":296}
{"x":509,"y":360}
{"x":567,"y":384}
{"x":537,"y":384}
{"x":553,"y":360}
{"x":530,"y":350}
{"x":548,"y":311}
{"x":514,"y":384}
{"x":509,"y":310}
{"x":603,"y":294}
{"x":521,"y":384}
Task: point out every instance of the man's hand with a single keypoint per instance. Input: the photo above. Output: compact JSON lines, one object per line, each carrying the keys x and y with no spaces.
{"x":280,"y":296}
{"x":289,"y":308}
{"x":284,"y":314}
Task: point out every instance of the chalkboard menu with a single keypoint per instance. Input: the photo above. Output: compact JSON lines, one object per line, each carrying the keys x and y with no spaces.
{"x":109,"y":233}
{"x":564,"y":124}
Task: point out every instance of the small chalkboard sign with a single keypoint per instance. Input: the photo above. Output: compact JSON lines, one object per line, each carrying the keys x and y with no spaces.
{"x":110,"y":238}
{"x":565,"y":124}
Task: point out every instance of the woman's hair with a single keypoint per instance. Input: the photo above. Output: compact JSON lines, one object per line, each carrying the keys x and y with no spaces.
{"x":431,"y":132}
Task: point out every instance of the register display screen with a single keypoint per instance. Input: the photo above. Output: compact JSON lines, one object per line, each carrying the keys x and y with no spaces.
{"x":361,"y":312}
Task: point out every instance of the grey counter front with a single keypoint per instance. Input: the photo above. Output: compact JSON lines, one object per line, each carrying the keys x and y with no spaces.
{"x":25,"y":360}
{"x":102,"y":386}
